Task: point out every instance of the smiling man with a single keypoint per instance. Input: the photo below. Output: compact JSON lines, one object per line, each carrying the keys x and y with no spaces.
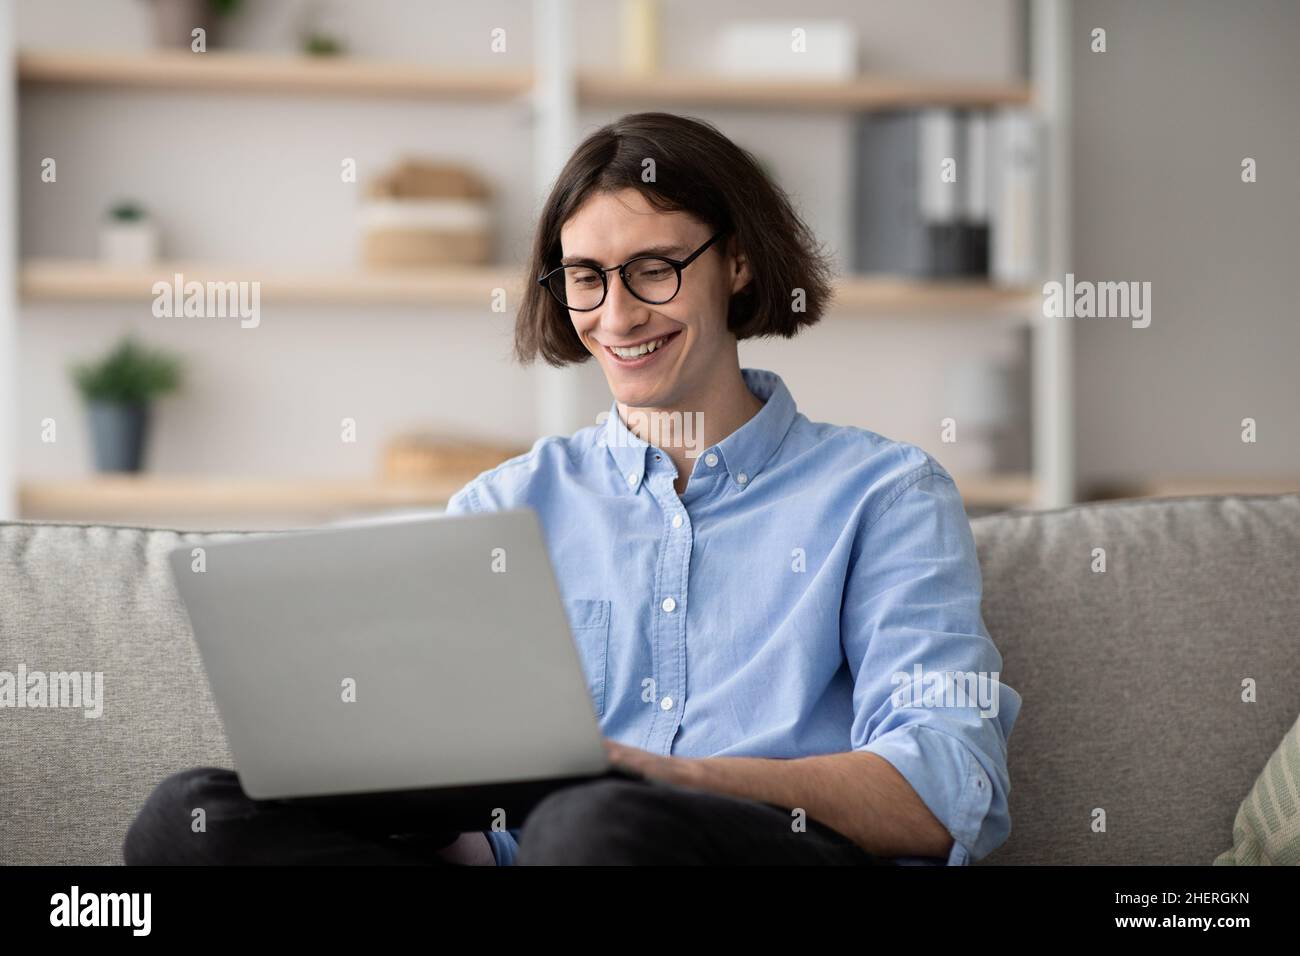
{"x":761,"y":595}
{"x":743,"y":594}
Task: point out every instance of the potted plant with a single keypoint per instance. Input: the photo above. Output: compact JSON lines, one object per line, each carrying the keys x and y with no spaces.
{"x":118,"y":390}
{"x":176,"y":20}
{"x":128,"y":236}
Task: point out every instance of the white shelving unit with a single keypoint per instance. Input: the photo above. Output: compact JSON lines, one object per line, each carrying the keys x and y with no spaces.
{"x":556,"y":90}
{"x":1053,"y":436}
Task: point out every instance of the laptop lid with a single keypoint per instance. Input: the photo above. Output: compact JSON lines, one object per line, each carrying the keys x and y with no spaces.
{"x":416,"y":654}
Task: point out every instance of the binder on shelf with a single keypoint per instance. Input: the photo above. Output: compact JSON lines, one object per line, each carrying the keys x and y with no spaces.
{"x":975,"y":192}
{"x":1016,"y":198}
{"x":909,"y":219}
{"x":937,"y":145}
{"x":889,"y":233}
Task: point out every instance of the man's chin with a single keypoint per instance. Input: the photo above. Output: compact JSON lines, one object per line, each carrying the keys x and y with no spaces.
{"x":628,"y":390}
{"x":638,"y":396}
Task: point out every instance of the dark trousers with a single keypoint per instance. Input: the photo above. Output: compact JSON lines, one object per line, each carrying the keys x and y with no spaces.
{"x":606,"y":822}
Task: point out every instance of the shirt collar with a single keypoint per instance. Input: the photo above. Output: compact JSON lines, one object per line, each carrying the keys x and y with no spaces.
{"x":743,"y":453}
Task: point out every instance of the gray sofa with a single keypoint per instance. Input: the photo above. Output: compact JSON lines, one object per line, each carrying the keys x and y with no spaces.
{"x":1132,"y":679}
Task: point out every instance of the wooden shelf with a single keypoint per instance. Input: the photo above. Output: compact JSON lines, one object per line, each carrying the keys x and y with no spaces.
{"x":1015,"y":490}
{"x":861,"y":94}
{"x":140,"y":497}
{"x":267,"y":73}
{"x":74,"y":280}
{"x":1175,"y":486}
{"x":146,"y":498}
{"x":262,"y":73}
{"x":890,"y":294}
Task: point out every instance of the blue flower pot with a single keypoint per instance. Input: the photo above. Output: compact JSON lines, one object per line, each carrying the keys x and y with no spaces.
{"x":119,"y":432}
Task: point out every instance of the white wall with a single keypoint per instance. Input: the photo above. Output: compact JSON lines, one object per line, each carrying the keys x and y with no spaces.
{"x":1162,"y":121}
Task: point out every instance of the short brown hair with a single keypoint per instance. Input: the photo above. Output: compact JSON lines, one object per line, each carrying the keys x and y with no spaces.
{"x":700,"y":172}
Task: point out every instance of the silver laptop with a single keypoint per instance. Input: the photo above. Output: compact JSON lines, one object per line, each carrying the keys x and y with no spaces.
{"x":393,"y":668}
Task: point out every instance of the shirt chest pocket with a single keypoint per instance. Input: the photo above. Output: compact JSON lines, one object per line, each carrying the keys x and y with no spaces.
{"x":589,"y":621}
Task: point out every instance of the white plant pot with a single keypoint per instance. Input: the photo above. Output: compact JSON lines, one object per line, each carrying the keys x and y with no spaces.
{"x":174,"y":22}
{"x":129,"y":243}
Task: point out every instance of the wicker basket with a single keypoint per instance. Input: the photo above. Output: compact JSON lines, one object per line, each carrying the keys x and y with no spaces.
{"x":429,"y":456}
{"x":424,"y":213}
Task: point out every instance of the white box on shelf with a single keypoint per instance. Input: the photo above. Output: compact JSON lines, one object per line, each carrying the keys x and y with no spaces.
{"x":133,"y":243}
{"x":812,"y":49}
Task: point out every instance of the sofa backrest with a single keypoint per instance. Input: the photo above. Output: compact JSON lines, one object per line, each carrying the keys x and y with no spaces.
{"x":1131,"y":678}
{"x":96,"y":599}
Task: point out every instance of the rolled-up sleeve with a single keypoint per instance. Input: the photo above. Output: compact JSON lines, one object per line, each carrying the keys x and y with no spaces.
{"x":927,"y":691}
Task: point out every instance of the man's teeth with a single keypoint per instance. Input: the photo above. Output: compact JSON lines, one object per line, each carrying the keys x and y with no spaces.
{"x":636,"y":350}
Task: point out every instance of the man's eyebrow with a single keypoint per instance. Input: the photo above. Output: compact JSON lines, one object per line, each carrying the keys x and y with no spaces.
{"x":672,"y":250}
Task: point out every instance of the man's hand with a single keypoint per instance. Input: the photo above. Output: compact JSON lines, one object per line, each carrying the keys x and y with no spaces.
{"x":683,"y":771}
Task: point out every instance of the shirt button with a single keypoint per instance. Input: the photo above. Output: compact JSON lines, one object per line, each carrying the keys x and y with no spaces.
{"x":631,"y":480}
{"x":666,"y":704}
{"x":710,"y":459}
{"x":742,"y":478}
{"x":677,"y":521}
{"x":669,"y":605}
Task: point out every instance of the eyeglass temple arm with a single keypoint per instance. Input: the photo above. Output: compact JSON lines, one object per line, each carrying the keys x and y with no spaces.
{"x":700,"y":251}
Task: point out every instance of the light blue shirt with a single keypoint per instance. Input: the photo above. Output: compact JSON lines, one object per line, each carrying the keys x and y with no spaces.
{"x":781,"y":606}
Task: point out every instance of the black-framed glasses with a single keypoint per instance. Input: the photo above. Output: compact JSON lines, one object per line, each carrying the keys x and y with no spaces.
{"x":652,"y":279}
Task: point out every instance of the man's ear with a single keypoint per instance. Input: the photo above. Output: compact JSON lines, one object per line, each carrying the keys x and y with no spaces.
{"x":740,"y":274}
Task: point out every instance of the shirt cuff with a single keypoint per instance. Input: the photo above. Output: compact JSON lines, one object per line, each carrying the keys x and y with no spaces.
{"x":946,"y":776}
{"x":505,"y":845}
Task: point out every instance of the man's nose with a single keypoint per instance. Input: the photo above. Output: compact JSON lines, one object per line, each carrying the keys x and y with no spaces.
{"x":621,"y":311}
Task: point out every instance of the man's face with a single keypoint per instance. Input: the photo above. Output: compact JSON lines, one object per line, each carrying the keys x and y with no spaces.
{"x":688,"y":334}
